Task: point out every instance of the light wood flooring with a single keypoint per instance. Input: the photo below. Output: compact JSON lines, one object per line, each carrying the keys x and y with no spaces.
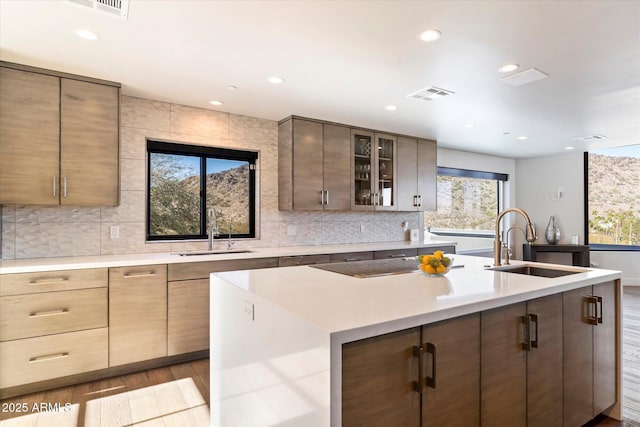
{"x":178,"y":395}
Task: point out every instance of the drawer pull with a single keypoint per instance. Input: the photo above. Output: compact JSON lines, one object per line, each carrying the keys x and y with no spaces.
{"x":48,"y":313}
{"x":49,"y":281}
{"x":48,"y":357}
{"x":133,"y":275}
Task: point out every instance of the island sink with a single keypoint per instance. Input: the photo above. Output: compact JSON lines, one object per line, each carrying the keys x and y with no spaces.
{"x":531,"y":270}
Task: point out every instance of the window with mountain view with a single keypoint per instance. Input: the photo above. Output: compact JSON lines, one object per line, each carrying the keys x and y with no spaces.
{"x":612,"y":194}
{"x":468,"y":202}
{"x":185,"y":180}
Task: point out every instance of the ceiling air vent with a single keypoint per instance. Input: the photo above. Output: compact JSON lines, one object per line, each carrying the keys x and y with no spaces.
{"x":525,"y":77}
{"x":430,"y":93}
{"x":590,"y":138}
{"x":113,"y":7}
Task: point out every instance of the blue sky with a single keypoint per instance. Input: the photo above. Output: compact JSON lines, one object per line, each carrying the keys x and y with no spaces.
{"x":626,"y":151}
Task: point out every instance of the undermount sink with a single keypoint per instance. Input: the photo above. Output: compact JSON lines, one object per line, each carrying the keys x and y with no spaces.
{"x":531,"y":270}
{"x":193,"y":253}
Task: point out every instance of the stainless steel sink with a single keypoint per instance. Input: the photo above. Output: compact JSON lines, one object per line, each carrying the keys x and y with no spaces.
{"x":531,"y":270}
{"x":195,"y":253}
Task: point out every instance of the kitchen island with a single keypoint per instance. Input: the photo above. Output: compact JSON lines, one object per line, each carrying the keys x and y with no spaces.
{"x":280,"y":337}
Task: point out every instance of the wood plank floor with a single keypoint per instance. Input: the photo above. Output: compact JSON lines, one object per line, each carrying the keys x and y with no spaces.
{"x":173,"y":396}
{"x":178,"y":395}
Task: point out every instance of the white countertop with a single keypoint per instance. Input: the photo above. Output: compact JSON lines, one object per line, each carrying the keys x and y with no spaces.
{"x":103,"y":261}
{"x":363,"y":307}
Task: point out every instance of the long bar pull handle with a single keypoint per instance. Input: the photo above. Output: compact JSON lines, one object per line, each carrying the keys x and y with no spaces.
{"x":64,"y":187}
{"x":526,"y":320}
{"x":133,"y":275}
{"x":49,"y":281}
{"x":327,"y":198}
{"x":534,"y":320}
{"x":592,"y":320}
{"x":599,"y":312}
{"x":55,"y":192}
{"x":48,"y":313}
{"x":398,"y":256}
{"x":415,"y":201}
{"x":419,"y":200}
{"x":418,"y":385}
{"x":48,"y":357}
{"x":431,"y":349}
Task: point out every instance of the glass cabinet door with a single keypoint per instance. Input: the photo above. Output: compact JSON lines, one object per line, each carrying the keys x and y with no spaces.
{"x":385,"y":171}
{"x":363,"y":169}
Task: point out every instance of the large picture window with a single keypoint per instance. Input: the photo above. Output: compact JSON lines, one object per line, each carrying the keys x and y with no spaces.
{"x":468,"y":203}
{"x":612,"y":198}
{"x":185,"y":180}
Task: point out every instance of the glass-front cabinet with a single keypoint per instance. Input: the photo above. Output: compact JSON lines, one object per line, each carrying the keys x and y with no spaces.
{"x":374,"y":174}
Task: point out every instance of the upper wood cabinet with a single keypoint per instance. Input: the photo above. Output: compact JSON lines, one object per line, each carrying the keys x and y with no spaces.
{"x":417,"y":173}
{"x":59,"y":138}
{"x":374,"y":173}
{"x":314,"y":169}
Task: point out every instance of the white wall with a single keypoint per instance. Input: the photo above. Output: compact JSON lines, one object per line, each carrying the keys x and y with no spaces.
{"x":538,"y":182}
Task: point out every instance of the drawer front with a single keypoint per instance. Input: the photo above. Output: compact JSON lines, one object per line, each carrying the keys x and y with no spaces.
{"x":137,"y":275}
{"x":32,"y":315}
{"x":202,"y":270}
{"x":396,"y":253}
{"x":290,"y":261}
{"x":446,"y":249}
{"x":64,"y":280}
{"x":52,"y":356}
{"x":351,"y":256}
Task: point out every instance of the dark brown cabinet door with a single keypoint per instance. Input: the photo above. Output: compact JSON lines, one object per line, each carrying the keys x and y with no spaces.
{"x":378,"y":376}
{"x":578,"y":357}
{"x":307,"y":165}
{"x":337,"y":167}
{"x":544,"y":363}
{"x":503,"y":367}
{"x":452,"y":396}
{"x":604,"y":348}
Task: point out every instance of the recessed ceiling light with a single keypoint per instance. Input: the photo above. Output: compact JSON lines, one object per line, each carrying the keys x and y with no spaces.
{"x":86,"y":34}
{"x":275,"y":80}
{"x":215,"y":102}
{"x":391,"y":107}
{"x":430,"y":35}
{"x":522,"y":137}
{"x":232,"y":88}
{"x":508,"y":68}
{"x":568,"y":148}
{"x":470,"y":125}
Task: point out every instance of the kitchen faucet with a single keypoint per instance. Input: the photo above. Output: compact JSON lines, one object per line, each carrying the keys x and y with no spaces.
{"x":497,"y":245}
{"x":212,"y":228}
{"x":231,"y":242}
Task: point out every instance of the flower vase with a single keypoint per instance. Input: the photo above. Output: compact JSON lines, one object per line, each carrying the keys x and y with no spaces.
{"x":552,"y":235}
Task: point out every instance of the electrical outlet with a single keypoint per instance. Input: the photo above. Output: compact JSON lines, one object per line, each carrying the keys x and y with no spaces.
{"x":291,"y":230}
{"x":249,"y":310}
{"x":114,"y":232}
{"x":362,"y":228}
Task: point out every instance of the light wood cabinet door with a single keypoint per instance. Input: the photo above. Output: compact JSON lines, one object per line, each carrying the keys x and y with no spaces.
{"x":604,"y":348}
{"x":504,"y":367}
{"x":407,"y":174}
{"x":188,"y":316}
{"x":137,"y":313}
{"x":452,"y":398}
{"x":578,"y":357}
{"x":29,"y":137}
{"x":378,"y":378}
{"x":337,"y":167}
{"x":544,"y":363}
{"x":89,"y":144}
{"x":307,"y":165}
{"x":427,"y":175}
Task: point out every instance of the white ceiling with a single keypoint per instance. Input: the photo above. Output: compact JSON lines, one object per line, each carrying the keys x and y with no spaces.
{"x":344,"y":61}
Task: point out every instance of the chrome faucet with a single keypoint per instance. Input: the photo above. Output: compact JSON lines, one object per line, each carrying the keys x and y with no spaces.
{"x":497,"y":244}
{"x":230,"y":243}
{"x":212,"y":228}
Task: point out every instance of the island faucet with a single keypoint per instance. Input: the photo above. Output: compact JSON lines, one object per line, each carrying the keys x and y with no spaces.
{"x":212,"y":228}
{"x":497,"y":244}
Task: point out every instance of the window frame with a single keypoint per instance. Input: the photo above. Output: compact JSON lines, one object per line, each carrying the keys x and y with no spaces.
{"x":605,"y":247}
{"x":500,"y":179}
{"x":203,"y":152}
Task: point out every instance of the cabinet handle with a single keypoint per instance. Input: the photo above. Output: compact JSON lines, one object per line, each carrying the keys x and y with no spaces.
{"x":322,"y":197}
{"x":48,"y":313}
{"x":327,"y":198}
{"x":599,"y":312}
{"x":64,"y":186}
{"x":49,"y":281}
{"x":352,"y":259}
{"x":526,"y":320}
{"x":534,"y":319}
{"x":48,"y":357}
{"x":133,"y":275}
{"x":419,"y":385}
{"x":54,"y":186}
{"x":431,"y":349}
{"x":415,"y":201}
{"x":398,"y":256}
{"x":419,"y":200}
{"x":592,"y":320}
